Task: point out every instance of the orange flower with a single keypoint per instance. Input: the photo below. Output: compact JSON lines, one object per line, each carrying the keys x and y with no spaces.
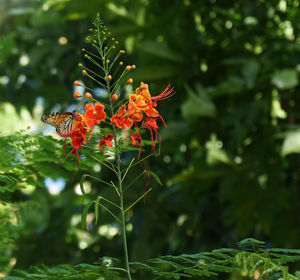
{"x":78,"y":136}
{"x":94,"y":115}
{"x":144,"y":91}
{"x":135,"y":139}
{"x":134,"y":113}
{"x":120,"y":119}
{"x":106,"y":141}
{"x":151,"y":124}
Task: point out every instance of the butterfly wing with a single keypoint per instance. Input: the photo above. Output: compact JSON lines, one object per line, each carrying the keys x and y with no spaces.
{"x":63,"y":122}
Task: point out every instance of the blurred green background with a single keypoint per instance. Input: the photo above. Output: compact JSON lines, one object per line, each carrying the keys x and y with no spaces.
{"x":230,"y":157}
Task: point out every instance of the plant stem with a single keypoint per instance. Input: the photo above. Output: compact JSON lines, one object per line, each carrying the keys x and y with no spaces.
{"x":119,"y":175}
{"x":123,"y":223}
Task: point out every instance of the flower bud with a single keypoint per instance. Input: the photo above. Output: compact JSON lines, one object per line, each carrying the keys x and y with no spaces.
{"x":88,"y":95}
{"x":107,"y":61}
{"x":83,"y":72}
{"x":122,"y":51}
{"x":114,"y":97}
{"x":144,"y":86}
{"x":121,"y":63}
{"x":77,"y":94}
{"x":109,"y":77}
{"x":79,"y":65}
{"x":133,"y":66}
{"x":128,"y":67}
{"x":77,"y":83}
{"x":129,"y":81}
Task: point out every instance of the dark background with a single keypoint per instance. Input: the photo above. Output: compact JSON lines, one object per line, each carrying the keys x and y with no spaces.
{"x":230,"y":157}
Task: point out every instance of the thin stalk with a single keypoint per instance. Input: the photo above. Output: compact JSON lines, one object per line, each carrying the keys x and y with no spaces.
{"x":119,"y":175}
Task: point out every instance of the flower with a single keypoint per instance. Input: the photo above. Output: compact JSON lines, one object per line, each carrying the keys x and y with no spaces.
{"x":94,"y":115}
{"x":106,"y":141}
{"x":135,"y":139}
{"x":151,"y":124}
{"x":78,"y":135}
{"x":120,"y":119}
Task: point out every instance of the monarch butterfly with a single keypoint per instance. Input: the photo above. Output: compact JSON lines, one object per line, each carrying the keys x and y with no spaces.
{"x":63,"y":122}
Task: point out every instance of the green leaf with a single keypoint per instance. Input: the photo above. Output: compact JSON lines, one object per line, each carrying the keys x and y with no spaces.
{"x":198,"y":104}
{"x":96,"y":209}
{"x":285,"y":79}
{"x":84,"y":213}
{"x":291,"y":143}
{"x":81,"y":184}
{"x":160,"y":50}
{"x":155,"y":177}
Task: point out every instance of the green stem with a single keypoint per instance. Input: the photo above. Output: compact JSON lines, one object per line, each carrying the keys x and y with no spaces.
{"x":119,"y":175}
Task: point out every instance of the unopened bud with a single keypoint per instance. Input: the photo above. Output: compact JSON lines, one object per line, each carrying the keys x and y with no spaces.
{"x":130,"y":81}
{"x":83,"y":72}
{"x":107,"y":61}
{"x":144,"y":86}
{"x":122,"y":51}
{"x":77,"y":94}
{"x":128,"y":67}
{"x":79,"y":65}
{"x":133,"y":66}
{"x":121,"y":63}
{"x":114,"y":97}
{"x":77,"y":83}
{"x":88,"y":95}
{"x":109,"y":77}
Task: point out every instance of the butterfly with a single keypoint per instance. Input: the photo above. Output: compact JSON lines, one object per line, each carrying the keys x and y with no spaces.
{"x":63,"y":122}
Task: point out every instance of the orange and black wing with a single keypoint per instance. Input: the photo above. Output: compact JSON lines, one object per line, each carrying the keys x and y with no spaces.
{"x":63,"y":122}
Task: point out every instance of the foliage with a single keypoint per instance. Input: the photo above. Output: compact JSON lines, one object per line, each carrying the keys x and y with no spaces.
{"x":230,"y":158}
{"x":257,"y":262}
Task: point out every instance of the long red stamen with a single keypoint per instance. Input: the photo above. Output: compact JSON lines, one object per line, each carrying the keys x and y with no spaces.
{"x":167,"y":93}
{"x":91,"y":134}
{"x":159,"y":144}
{"x":65,"y":146}
{"x":67,"y":156}
{"x":163,"y":121}
{"x":140,"y":150}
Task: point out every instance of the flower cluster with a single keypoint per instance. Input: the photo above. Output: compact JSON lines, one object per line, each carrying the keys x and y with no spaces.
{"x":82,"y":124}
{"x":140,"y":112}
